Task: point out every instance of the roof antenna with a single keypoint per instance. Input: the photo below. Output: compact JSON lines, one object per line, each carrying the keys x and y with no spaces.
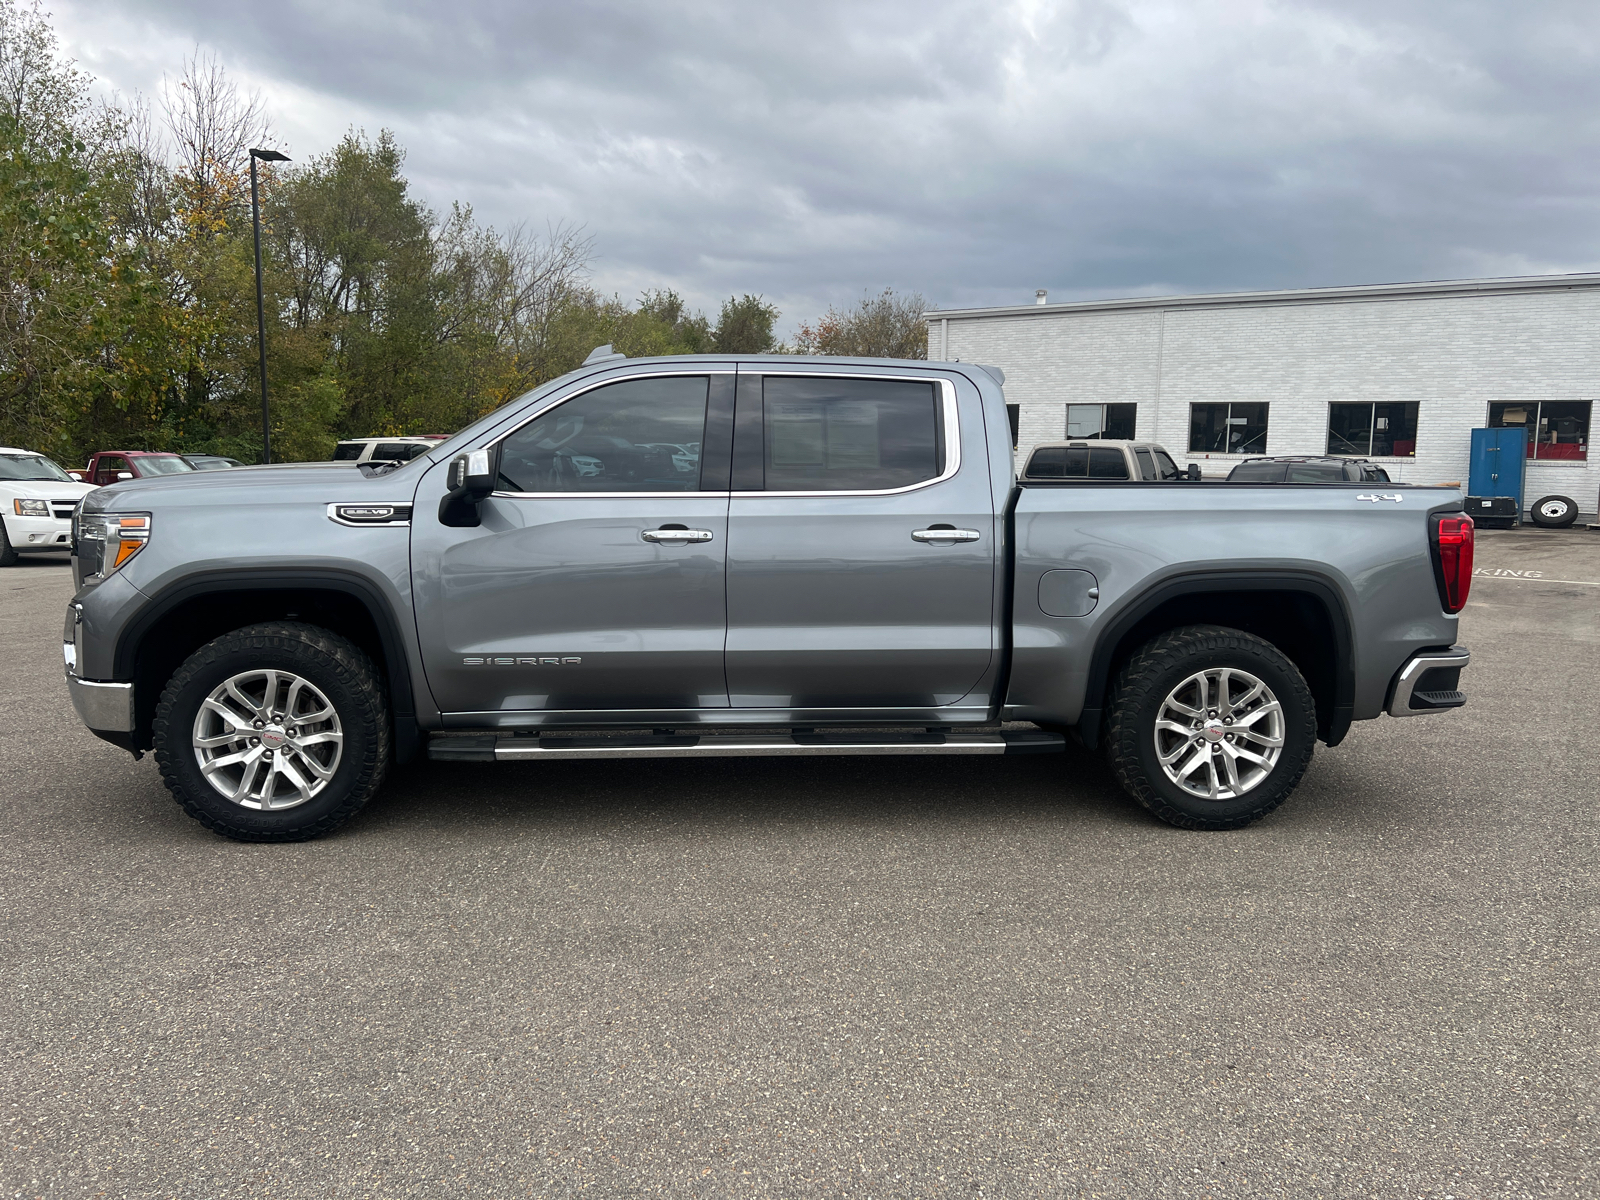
{"x":602,"y":354}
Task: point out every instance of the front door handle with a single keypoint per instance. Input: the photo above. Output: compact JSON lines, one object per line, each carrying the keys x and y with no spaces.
{"x":944,"y":533}
{"x":676,"y":536}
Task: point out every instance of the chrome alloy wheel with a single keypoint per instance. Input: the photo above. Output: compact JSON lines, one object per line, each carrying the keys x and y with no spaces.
{"x":267,"y":740}
{"x":1219,"y":733}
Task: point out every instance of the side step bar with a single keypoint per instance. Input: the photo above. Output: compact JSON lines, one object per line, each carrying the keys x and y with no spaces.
{"x":505,"y":748}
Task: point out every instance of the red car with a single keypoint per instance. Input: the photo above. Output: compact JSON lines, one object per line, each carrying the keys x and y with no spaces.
{"x":111,"y":466}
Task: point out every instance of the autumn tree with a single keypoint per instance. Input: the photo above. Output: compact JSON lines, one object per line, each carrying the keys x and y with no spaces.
{"x":886,"y":325}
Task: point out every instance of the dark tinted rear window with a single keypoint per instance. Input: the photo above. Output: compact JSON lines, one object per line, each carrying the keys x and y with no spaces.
{"x":347,"y":451}
{"x":1266,"y":472}
{"x":1059,"y":462}
{"x":1107,"y":463}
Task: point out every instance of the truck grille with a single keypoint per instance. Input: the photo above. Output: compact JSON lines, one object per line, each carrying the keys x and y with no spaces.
{"x":62,"y":509}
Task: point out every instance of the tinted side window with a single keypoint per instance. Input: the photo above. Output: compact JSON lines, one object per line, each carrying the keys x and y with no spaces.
{"x":638,"y":435}
{"x":1169,"y":469}
{"x":1314,"y":473}
{"x":1267,"y":472}
{"x":347,"y":451}
{"x":1107,"y":463}
{"x":828,"y":435}
{"x":1147,"y":465}
{"x":392,"y":450}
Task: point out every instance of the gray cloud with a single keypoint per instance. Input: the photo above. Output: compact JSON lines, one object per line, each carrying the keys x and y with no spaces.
{"x":972,"y":151}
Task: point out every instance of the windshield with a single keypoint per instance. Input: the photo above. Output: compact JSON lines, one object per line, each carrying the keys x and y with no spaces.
{"x":163,"y":464}
{"x":31,"y":468}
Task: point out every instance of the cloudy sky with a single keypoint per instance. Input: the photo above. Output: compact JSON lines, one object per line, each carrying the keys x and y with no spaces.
{"x":972,"y":151}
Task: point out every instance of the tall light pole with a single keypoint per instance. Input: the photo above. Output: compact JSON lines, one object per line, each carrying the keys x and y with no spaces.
{"x":261,"y":300}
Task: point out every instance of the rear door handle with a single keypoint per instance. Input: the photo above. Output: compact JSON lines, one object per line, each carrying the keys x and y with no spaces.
{"x":676,"y":536}
{"x":944,"y":534}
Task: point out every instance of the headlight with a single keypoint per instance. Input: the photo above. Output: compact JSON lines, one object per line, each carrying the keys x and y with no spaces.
{"x":31,"y":508}
{"x":104,"y":542}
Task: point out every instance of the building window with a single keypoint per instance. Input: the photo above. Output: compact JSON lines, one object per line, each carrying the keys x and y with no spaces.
{"x":1227,"y":429}
{"x":1101,"y":420}
{"x":1556,"y":429}
{"x":1373,"y":430}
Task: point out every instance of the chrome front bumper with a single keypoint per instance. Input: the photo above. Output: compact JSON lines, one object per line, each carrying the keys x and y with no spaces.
{"x":1429,"y":683}
{"x":103,"y":707}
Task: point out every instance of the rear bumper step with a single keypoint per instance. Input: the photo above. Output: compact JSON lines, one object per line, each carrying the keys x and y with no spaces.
{"x":505,"y":748}
{"x":1429,"y":682}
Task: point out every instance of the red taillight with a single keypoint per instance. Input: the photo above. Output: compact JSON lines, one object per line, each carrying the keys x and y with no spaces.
{"x":1455,"y":561}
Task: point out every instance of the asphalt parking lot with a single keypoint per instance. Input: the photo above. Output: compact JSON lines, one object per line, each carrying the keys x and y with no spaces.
{"x":863,"y":978}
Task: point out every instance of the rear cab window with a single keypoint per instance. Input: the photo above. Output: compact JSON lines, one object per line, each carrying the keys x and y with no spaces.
{"x":1059,"y":462}
{"x":1107,"y":462}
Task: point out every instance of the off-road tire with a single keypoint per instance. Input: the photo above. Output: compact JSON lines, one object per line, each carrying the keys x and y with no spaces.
{"x":1142,"y":685}
{"x":1564,"y":511}
{"x":344,"y":674}
{"x":8,"y":555}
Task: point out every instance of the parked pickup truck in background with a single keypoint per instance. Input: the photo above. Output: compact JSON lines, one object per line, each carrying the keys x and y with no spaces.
{"x":113,"y":466}
{"x":852,"y":564}
{"x":1106,"y":459}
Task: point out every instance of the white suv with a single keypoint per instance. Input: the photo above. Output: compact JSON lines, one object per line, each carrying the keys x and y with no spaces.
{"x":391,"y":449}
{"x":36,"y":502}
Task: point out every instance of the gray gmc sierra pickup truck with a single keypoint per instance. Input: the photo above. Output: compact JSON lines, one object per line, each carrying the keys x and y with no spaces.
{"x":747,"y":556}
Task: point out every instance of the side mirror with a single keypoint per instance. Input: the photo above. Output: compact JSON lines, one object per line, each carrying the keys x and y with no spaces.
{"x":1193,"y":473}
{"x":121,"y":475}
{"x":76,"y":477}
{"x":470,"y":481}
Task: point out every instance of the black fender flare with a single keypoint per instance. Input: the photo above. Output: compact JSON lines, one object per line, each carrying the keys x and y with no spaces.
{"x":1201,"y":583}
{"x":402,"y":702}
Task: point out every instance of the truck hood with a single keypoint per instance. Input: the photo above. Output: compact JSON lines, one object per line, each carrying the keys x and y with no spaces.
{"x":288,"y":483}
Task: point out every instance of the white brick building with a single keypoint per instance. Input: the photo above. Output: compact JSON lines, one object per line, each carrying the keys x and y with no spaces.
{"x":1397,"y":373}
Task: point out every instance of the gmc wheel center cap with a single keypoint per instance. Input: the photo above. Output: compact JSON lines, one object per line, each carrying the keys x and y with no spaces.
{"x":273,"y":738}
{"x":1215,"y":731}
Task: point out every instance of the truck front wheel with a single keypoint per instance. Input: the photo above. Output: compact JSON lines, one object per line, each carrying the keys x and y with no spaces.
{"x":1209,"y":728}
{"x":277,"y":732}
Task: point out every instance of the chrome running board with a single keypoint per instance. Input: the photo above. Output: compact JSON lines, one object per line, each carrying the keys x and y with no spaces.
{"x":520,"y":747}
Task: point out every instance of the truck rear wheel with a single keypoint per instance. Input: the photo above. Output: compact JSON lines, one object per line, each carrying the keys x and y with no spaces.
{"x":1210,"y":728}
{"x":277,"y":732}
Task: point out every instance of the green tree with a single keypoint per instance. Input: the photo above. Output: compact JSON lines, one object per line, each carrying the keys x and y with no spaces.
{"x":745,"y":326}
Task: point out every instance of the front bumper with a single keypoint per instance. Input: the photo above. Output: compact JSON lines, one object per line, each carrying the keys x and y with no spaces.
{"x":103,"y":707}
{"x":38,"y":533}
{"x":1429,"y":682}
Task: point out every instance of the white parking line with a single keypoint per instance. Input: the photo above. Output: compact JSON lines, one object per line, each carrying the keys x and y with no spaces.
{"x":1530,"y":577}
